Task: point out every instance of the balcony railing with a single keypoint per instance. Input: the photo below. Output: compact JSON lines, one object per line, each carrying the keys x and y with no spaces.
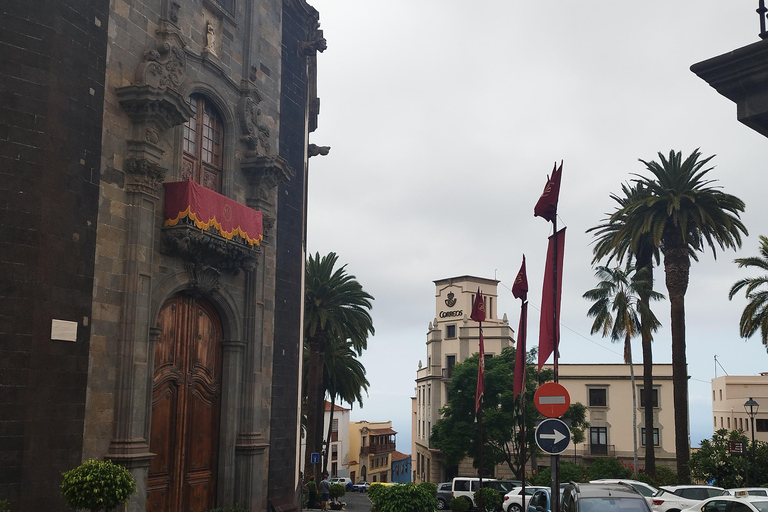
{"x":598,"y":450}
{"x":381,"y":448}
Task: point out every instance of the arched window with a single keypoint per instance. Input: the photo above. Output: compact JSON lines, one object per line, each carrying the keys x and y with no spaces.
{"x":203,"y":138}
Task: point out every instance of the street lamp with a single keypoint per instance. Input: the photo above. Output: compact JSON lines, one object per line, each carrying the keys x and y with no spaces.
{"x":751,"y":407}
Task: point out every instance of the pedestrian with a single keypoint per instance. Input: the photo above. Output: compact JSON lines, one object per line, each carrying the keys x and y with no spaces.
{"x":325,"y":491}
{"x":312,"y":491}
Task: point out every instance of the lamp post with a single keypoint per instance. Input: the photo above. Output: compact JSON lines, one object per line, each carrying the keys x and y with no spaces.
{"x":751,"y":407}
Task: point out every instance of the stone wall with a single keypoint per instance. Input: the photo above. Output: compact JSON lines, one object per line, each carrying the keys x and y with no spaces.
{"x":51,"y":96}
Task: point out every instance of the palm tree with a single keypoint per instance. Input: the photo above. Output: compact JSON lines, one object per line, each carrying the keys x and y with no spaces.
{"x":610,"y":243}
{"x":618,"y":311}
{"x":344,"y":377}
{"x":755,"y":315}
{"x":335,"y":308}
{"x":681,"y":212}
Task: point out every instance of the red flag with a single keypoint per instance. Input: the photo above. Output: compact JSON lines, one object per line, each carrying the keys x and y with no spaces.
{"x":546,"y":207}
{"x":520,"y":291}
{"x":549,"y":333}
{"x":519,"y":384}
{"x":480,"y":375}
{"x":520,"y":288}
{"x":478,"y":308}
{"x":478,"y":315}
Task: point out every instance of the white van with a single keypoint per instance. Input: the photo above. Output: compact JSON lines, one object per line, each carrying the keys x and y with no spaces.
{"x":465,"y":487}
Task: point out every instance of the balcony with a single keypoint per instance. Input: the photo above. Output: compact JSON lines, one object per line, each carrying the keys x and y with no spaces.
{"x":208,"y":229}
{"x":377,"y":449}
{"x":597,"y":450}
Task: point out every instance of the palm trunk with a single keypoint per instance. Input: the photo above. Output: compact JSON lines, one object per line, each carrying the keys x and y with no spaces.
{"x":328,"y":437}
{"x":315,"y":394}
{"x":677,"y":267}
{"x":628,"y":358}
{"x":645,"y":259}
{"x":650,"y":449}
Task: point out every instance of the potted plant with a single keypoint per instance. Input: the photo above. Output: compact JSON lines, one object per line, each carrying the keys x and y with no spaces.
{"x":336,"y":491}
{"x":97,"y":485}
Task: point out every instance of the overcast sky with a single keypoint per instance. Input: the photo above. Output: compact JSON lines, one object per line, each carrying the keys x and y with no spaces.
{"x":445,"y":117}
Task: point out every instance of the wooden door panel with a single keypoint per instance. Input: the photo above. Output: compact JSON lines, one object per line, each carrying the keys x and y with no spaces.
{"x":198,"y":494}
{"x":200,"y":452}
{"x":185,"y":408}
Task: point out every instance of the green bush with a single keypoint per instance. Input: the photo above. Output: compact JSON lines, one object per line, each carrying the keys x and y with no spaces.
{"x":431,"y":487}
{"x":459,"y":505}
{"x":491,"y":499}
{"x":569,"y":472}
{"x":408,"y":497}
{"x":337,"y":491}
{"x":5,"y":506}
{"x":607,"y":467}
{"x":97,"y":485}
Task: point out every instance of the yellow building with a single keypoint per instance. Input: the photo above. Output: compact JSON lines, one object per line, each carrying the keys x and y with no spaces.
{"x":730,"y":393}
{"x":371,"y":445}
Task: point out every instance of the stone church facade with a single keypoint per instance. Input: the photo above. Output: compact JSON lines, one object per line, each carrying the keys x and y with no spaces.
{"x":153,"y":160}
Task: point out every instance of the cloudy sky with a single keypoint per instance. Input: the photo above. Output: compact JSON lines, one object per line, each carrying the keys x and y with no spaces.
{"x":445,"y":117}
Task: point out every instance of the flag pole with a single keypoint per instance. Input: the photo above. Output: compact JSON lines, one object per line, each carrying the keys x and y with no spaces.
{"x":478,"y":315}
{"x":480,"y":422}
{"x":520,"y":291}
{"x":555,"y":461}
{"x":522,"y":333}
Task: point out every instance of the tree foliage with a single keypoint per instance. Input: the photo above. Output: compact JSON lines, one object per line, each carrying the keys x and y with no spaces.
{"x":456,"y":432}
{"x":682,"y":212}
{"x":335,"y":308}
{"x":408,"y":497}
{"x":713,"y":461}
{"x":491,"y":499}
{"x":97,"y":485}
{"x":755,"y":314}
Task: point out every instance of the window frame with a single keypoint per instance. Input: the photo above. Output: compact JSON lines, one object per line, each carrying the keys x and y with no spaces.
{"x":597,"y":389}
{"x":203,"y":144}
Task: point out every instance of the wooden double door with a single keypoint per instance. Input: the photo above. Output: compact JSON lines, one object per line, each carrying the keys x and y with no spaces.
{"x":185,"y":408}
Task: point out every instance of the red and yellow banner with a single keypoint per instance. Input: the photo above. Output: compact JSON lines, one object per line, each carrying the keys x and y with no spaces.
{"x":206,"y":208}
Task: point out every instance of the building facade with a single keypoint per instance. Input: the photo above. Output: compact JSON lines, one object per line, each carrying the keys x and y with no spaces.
{"x":451,"y":338}
{"x":371,"y":446}
{"x":605,"y":389}
{"x":401,"y":467}
{"x":154,"y":156}
{"x":730,"y":393}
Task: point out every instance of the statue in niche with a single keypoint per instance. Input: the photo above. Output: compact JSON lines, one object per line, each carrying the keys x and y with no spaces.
{"x":210,"y":39}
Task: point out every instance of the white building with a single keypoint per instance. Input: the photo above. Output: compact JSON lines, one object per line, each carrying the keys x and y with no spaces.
{"x":452,"y":338}
{"x":338,"y":464}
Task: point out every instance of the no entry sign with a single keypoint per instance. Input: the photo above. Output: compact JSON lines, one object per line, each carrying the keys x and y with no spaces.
{"x":552,"y":399}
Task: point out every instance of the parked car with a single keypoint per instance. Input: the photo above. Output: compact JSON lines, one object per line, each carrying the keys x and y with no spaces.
{"x":603,"y":497}
{"x":343,"y":480}
{"x":539,"y":501}
{"x":444,"y":495}
{"x":742,"y":492}
{"x":513,"y":500}
{"x":361,"y":486}
{"x":502,"y":486}
{"x":727,"y":503}
{"x":641,"y":487}
{"x":674,"y":498}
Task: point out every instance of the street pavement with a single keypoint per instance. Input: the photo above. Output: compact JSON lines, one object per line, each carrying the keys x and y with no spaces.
{"x":355,"y":502}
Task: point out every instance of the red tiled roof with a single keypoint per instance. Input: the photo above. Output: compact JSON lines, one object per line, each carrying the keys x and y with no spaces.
{"x":381,"y":431}
{"x":396,"y":456}
{"x":335,"y":407}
